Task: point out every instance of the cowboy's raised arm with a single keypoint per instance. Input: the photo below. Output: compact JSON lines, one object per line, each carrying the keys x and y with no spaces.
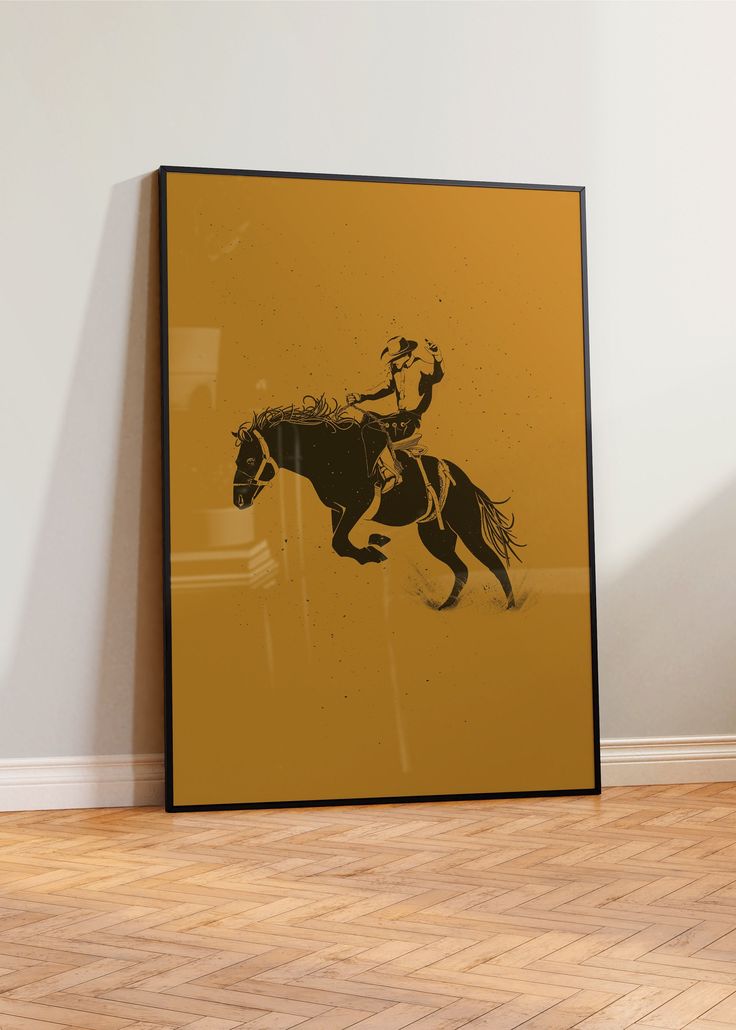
{"x":438,"y":369}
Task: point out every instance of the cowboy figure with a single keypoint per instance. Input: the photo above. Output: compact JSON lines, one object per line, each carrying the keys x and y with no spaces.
{"x":412,"y":371}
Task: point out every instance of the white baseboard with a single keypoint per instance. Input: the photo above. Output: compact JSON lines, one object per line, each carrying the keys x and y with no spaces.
{"x":95,"y":781}
{"x":645,"y":760}
{"x":123,"y":781}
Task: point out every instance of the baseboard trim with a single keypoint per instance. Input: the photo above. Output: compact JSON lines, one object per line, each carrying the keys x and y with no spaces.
{"x":652,"y":760}
{"x":95,"y":781}
{"x":128,"y":781}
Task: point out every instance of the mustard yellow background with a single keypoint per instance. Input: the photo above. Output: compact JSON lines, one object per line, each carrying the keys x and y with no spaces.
{"x":298,"y":674}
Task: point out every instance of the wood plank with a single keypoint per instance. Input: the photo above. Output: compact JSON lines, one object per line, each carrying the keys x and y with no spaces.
{"x":597,"y":913}
{"x":693,"y":1002}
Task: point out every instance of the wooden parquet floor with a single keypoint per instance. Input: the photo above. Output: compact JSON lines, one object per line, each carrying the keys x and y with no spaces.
{"x":598,"y":913}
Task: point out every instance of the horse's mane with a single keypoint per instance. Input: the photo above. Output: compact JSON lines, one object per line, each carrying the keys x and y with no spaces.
{"x":312,"y":411}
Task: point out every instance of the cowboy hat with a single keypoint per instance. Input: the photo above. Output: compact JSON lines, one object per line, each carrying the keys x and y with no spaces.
{"x":398,"y":347}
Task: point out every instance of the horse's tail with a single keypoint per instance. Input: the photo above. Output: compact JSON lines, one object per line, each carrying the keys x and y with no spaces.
{"x":495,"y":525}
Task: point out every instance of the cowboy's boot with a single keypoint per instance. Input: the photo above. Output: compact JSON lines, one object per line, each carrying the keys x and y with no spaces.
{"x":388,"y":470}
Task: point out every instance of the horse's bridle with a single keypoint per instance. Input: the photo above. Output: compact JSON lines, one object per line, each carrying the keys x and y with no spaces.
{"x":266,"y":460}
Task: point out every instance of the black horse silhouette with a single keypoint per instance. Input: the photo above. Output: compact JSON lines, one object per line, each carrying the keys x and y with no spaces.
{"x":321,"y":442}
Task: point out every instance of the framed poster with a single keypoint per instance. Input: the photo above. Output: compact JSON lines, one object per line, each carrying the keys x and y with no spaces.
{"x":377,"y":490}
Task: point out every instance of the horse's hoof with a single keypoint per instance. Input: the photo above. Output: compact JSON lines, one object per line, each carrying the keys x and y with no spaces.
{"x":370,"y":554}
{"x":379,"y":539}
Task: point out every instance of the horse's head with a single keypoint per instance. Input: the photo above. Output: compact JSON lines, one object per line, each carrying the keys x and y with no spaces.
{"x":255,"y":467}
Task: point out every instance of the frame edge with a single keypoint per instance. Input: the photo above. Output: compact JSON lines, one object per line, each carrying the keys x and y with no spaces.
{"x":165,"y":497}
{"x":589,"y":471}
{"x":169,"y":804}
{"x":344,"y":177}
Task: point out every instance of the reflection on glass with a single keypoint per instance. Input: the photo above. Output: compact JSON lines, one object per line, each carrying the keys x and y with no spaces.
{"x":213,"y":547}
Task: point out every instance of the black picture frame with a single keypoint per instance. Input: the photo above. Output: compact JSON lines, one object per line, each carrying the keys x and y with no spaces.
{"x":169,"y":804}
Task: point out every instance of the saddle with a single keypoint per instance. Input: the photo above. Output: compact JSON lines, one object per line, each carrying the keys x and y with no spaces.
{"x":411,"y":446}
{"x":374,"y":435}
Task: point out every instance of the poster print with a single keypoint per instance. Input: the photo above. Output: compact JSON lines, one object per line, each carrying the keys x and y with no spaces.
{"x":378,"y":567}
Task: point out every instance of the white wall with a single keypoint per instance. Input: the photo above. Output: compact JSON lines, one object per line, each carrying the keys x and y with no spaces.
{"x":634,"y":101}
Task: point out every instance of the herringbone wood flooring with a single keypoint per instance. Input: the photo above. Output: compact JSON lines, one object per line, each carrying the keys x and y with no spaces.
{"x":596,"y":913}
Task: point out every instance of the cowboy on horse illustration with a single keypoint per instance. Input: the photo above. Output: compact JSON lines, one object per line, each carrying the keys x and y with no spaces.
{"x":352,"y":463}
{"x":411,"y":375}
